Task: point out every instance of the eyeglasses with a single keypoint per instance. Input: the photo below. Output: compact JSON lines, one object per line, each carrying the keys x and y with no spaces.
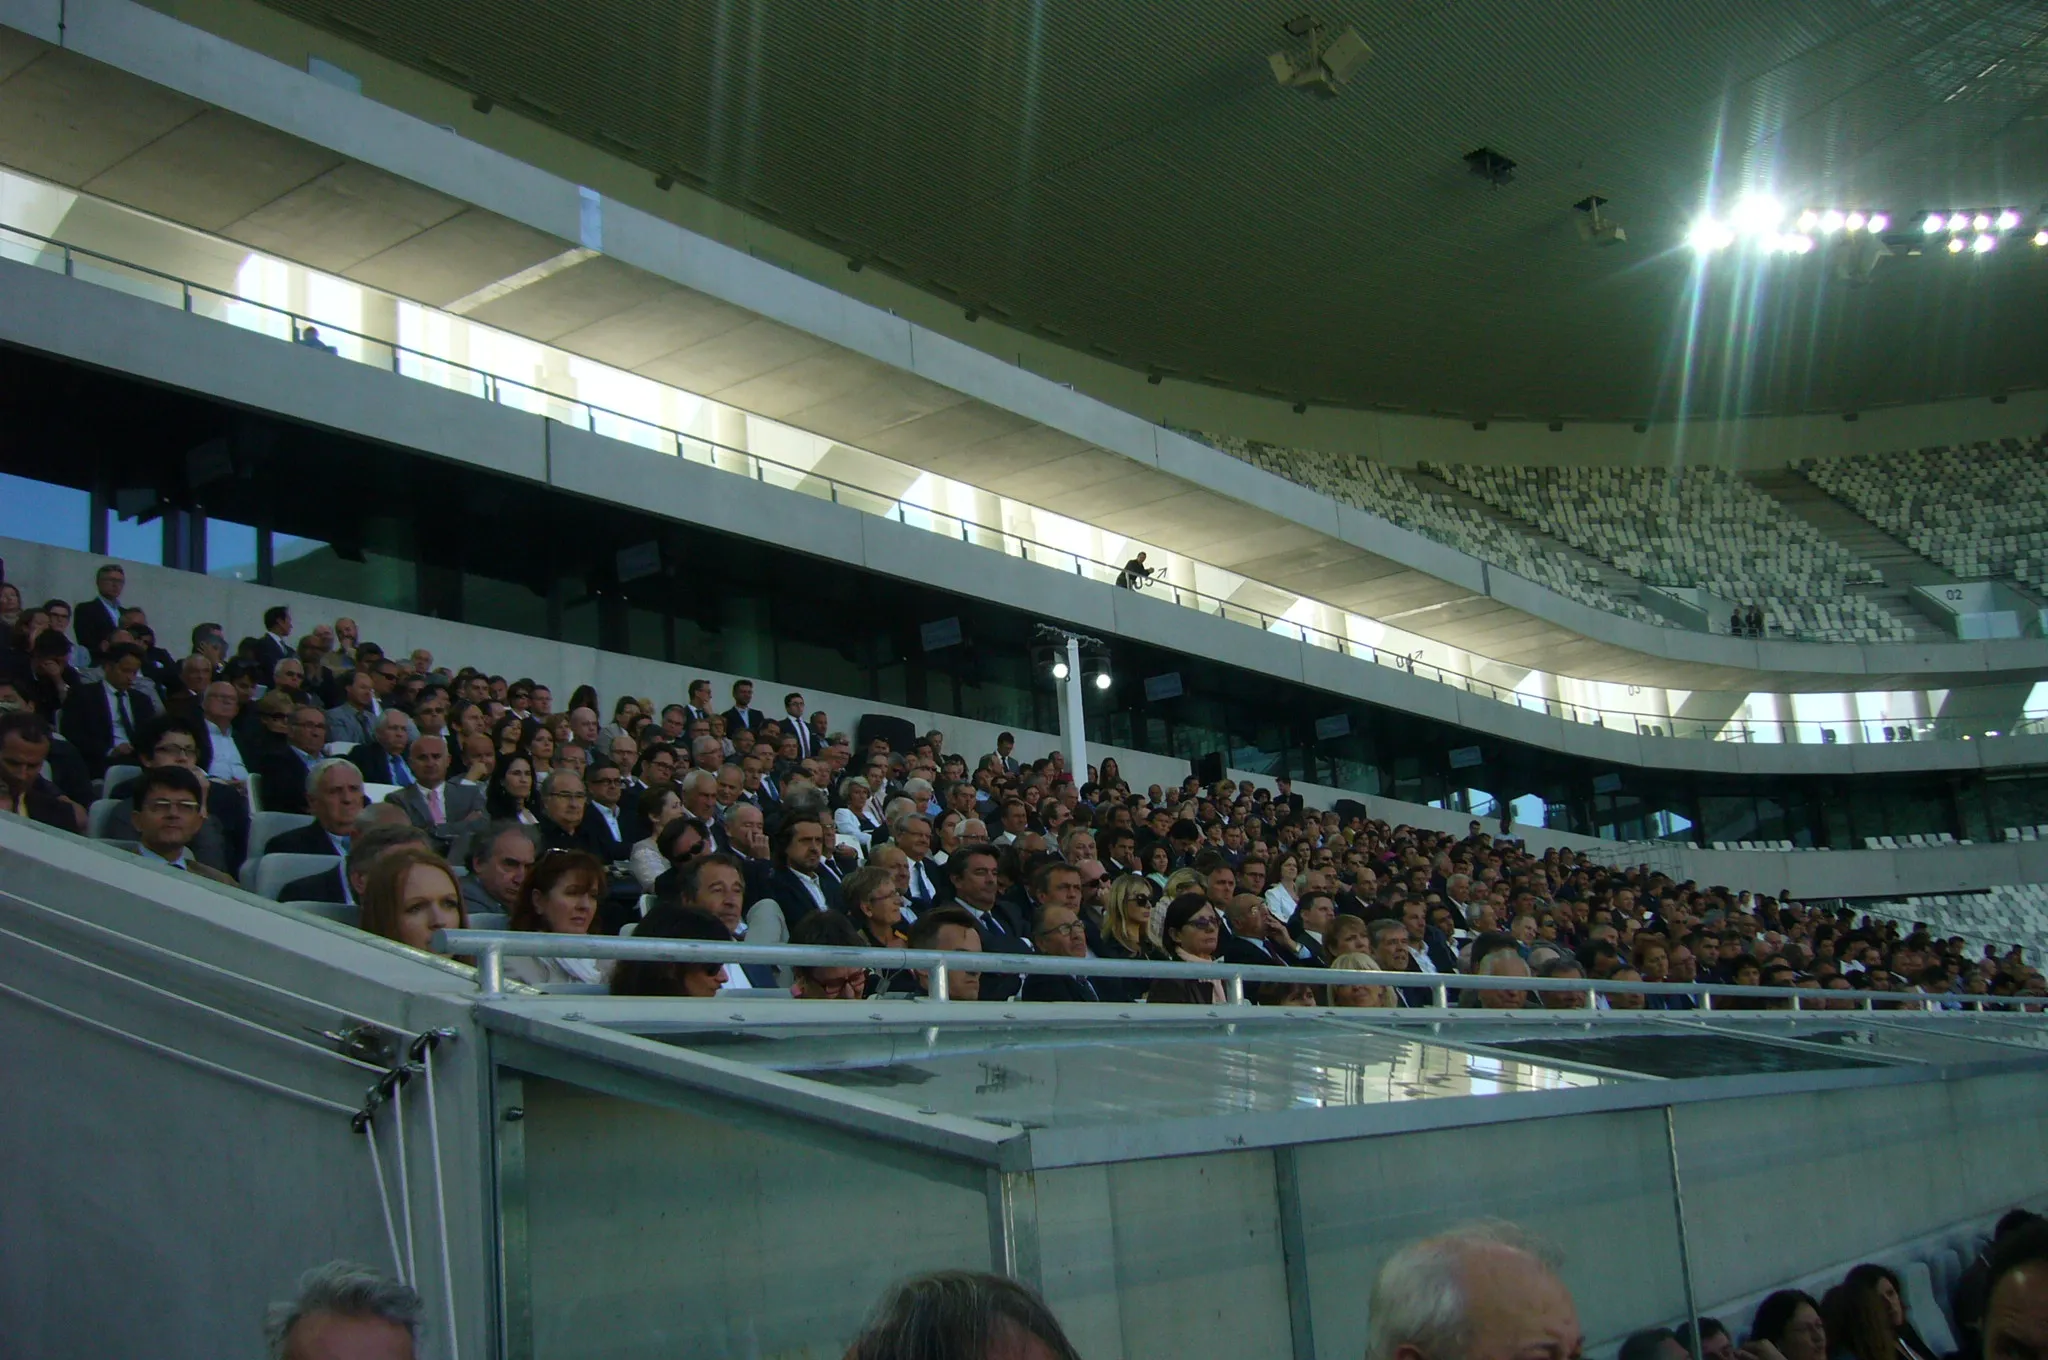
{"x":1204,"y":922}
{"x":176,"y":748}
{"x":1070,"y":928}
{"x":571,"y":797}
{"x":160,"y":806}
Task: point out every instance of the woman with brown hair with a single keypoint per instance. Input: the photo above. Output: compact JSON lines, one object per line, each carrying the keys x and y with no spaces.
{"x":1866,"y":1317}
{"x":649,"y":977}
{"x":560,"y":897}
{"x":411,"y":893}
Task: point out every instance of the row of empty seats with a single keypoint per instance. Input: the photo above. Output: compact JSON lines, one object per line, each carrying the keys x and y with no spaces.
{"x":2006,"y":915}
{"x":2027,"y":833}
{"x":1981,"y":510}
{"x":1701,"y":528}
{"x":1923,"y":842}
{"x":1383,"y":491}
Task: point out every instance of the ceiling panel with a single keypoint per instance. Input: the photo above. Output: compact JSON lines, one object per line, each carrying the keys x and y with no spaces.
{"x":1132,"y":180}
{"x":67,"y":119}
{"x":213,"y":170}
{"x":344,"y":217}
{"x":453,"y":259}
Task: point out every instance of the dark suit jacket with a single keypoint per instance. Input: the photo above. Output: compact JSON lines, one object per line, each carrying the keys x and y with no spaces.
{"x":284,"y":778}
{"x":303,"y":840}
{"x":1238,"y":949}
{"x":270,"y":650}
{"x":787,"y":889}
{"x":90,"y":624}
{"x":375,"y":762}
{"x":591,"y":835}
{"x":1046,"y":987}
{"x":459,"y":802}
{"x":90,"y":727}
{"x":324,"y":886}
{"x":998,"y":937}
{"x":752,"y":721}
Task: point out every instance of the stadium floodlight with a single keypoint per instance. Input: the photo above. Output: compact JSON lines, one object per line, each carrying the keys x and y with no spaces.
{"x":1830,"y":221}
{"x":1808,"y":220}
{"x":1934,"y":224}
{"x":1102,"y":680}
{"x":2008,"y":219}
{"x":1982,"y":221}
{"x":1877,"y":222}
{"x":2041,"y":237}
{"x":1955,"y":245}
{"x":1854,"y":221}
{"x":1957,"y":221}
{"x":1756,"y":215}
{"x":1984,"y":244}
{"x":1708,"y":236}
{"x":1059,"y":670}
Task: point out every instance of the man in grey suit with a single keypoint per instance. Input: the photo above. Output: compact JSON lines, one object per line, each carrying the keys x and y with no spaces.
{"x":443,"y":810}
{"x":354,"y":719}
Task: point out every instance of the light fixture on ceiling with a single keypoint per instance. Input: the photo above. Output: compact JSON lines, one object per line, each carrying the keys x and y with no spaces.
{"x":1595,"y":227}
{"x":1709,"y":235}
{"x":1490,"y":166}
{"x":1324,"y":67}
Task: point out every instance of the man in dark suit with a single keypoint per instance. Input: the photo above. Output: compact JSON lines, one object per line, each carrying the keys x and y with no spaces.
{"x":796,"y":886}
{"x":291,"y":749}
{"x":1057,"y":931}
{"x":1390,"y":946}
{"x":565,"y":820}
{"x":972,"y":869}
{"x":382,"y":758}
{"x":92,"y":620}
{"x":334,"y":795}
{"x":346,"y":880}
{"x":698,"y":708}
{"x":741,"y":716}
{"x":1255,"y":937}
{"x":102,"y":718}
{"x":276,"y":643}
{"x":793,"y":705}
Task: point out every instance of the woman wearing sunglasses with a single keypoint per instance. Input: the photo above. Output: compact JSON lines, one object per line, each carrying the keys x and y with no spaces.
{"x":1189,"y":935}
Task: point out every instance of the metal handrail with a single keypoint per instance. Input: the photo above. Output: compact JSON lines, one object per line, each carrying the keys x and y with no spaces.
{"x":491,"y":947}
{"x":494,"y":385}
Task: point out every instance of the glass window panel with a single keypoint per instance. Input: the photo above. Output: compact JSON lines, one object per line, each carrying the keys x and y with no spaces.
{"x":230,"y":550}
{"x":128,"y":541}
{"x":43,"y":512}
{"x":629,"y":1258}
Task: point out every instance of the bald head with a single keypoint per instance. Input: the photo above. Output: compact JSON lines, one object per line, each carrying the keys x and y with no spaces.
{"x":1483,"y":1292}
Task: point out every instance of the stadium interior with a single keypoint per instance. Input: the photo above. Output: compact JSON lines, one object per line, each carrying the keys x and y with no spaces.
{"x":1461,"y":595}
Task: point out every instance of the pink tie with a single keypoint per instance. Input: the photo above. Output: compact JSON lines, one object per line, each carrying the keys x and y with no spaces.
{"x":434,"y":806}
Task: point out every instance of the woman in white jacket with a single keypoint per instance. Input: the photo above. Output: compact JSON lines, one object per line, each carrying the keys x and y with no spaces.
{"x":848,"y":821}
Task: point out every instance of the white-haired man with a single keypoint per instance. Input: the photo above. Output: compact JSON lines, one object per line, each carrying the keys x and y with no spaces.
{"x":343,"y":1309}
{"x":1486,"y":1291}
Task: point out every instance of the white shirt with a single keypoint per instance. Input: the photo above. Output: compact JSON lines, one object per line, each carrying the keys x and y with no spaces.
{"x":611,"y":818}
{"x":183,"y":861}
{"x":810,"y":883}
{"x":1422,"y":963}
{"x":123,"y":734}
{"x":1280,"y":902}
{"x":227,"y":757}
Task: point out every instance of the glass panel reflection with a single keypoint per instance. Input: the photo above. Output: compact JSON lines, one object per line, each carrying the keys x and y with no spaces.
{"x":1084,"y":1075}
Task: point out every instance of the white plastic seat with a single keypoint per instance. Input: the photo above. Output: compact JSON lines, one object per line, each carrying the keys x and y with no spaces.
{"x":275,"y":872}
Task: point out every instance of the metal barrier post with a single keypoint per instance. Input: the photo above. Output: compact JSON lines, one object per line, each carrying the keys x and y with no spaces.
{"x":1234,"y":988}
{"x":490,"y":971}
{"x":935,"y":983}
{"x":1442,"y":993}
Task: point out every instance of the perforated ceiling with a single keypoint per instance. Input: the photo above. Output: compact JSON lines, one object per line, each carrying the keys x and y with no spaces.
{"x":1129,"y":180}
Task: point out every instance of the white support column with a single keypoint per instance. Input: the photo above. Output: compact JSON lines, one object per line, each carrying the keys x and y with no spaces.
{"x":1073,"y":728}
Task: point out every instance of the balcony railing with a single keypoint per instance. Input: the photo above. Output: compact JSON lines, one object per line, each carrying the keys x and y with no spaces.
{"x":289,"y":325}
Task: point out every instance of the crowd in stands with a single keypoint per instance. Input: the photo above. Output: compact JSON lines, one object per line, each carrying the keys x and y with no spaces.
{"x":680,"y":820}
{"x":1981,"y":510}
{"x":1482,"y":1291}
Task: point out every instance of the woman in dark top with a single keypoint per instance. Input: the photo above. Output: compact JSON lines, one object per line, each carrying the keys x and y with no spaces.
{"x":1190,"y":935}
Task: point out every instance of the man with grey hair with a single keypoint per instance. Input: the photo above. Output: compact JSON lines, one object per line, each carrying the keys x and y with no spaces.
{"x":1485,"y":1291}
{"x":379,"y":830}
{"x":344,"y":1310}
{"x":334,"y":795}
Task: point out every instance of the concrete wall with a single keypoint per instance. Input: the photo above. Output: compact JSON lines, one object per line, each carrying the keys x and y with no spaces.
{"x":188,"y":59}
{"x":83,"y":322}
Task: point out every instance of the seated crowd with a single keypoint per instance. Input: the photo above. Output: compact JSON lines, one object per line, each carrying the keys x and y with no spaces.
{"x":1482,"y":1291}
{"x":685,"y":822}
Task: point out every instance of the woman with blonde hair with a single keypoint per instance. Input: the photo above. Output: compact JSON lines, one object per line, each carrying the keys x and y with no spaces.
{"x":1127,"y":906}
{"x":411,"y":893}
{"x":1359,"y":993}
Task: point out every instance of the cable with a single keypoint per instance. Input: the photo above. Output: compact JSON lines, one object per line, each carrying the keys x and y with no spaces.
{"x":318,"y":1102}
{"x":397,"y":1079}
{"x":425,"y":1046}
{"x":366,"y":1120}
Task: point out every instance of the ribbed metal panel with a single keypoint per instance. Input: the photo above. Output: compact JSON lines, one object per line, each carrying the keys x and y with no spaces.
{"x":1129,"y":179}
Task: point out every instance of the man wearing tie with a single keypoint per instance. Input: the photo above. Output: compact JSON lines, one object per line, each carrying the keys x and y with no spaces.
{"x":973,"y":871}
{"x":1057,"y":930}
{"x":1006,"y":762}
{"x":912,"y":834}
{"x":430,"y":802}
{"x":102,"y":718}
{"x":382,"y":758}
{"x":806,"y":744}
